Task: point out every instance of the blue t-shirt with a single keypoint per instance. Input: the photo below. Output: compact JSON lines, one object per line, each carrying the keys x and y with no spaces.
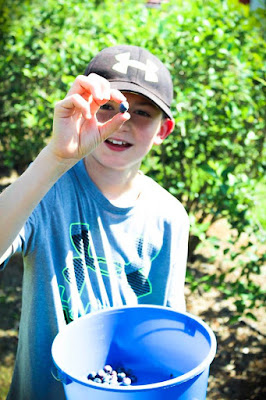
{"x":81,"y":254}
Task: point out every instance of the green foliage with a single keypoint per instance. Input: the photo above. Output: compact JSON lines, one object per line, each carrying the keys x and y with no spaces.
{"x":215,"y":52}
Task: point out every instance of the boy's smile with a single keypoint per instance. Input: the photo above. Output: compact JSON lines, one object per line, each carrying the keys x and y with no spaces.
{"x":117,"y":145}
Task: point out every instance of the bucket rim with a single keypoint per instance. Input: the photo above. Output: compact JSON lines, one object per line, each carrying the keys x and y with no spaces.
{"x":158,"y":385}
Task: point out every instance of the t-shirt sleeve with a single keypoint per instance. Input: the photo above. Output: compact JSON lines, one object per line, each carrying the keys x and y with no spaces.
{"x":21,"y":244}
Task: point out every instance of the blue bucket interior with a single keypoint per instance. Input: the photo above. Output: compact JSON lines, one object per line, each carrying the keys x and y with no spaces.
{"x":156,"y":343}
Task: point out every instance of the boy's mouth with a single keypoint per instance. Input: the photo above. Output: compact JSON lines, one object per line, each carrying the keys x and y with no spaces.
{"x":115,"y":143}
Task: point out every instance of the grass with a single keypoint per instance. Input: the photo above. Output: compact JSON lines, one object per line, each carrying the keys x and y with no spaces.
{"x":5,"y":380}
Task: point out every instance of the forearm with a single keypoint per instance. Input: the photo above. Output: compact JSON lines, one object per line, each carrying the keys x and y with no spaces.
{"x":19,"y":200}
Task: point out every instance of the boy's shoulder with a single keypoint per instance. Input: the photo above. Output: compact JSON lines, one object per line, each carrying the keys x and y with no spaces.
{"x":160,"y":198}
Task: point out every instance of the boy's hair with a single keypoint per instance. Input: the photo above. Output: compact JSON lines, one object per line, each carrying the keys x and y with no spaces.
{"x":134,"y":69}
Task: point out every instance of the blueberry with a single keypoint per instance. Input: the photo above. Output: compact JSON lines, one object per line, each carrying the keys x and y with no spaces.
{"x":101,"y":373}
{"x":110,"y":376}
{"x":108,"y":369}
{"x":124,"y":106}
{"x":106,"y":379}
{"x":121,"y":376}
{"x":126,"y":381}
{"x":92,"y":375}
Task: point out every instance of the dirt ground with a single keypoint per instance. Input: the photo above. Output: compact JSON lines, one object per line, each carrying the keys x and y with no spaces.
{"x":238,"y":371}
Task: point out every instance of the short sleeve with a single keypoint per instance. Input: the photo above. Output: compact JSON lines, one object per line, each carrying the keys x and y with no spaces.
{"x":21,"y":244}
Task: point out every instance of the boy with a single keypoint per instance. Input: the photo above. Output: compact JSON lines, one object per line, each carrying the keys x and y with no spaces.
{"x":94,"y":231}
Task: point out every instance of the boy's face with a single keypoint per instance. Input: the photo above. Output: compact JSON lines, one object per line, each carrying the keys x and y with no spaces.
{"x":127,"y":147}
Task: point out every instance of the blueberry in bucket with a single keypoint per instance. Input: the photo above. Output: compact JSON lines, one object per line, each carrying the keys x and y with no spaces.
{"x":126,"y":381}
{"x":92,"y":375}
{"x":108,"y":369}
{"x":110,"y":376}
{"x":121,"y":376}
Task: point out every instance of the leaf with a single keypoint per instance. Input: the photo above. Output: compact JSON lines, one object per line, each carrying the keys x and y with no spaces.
{"x":227,"y":170}
{"x":205,"y":167}
{"x":251,"y":316}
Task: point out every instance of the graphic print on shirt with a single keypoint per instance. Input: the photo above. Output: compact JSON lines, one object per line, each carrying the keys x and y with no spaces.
{"x":87,"y":263}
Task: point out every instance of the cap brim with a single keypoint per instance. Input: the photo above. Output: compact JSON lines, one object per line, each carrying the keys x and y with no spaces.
{"x":134,"y":88}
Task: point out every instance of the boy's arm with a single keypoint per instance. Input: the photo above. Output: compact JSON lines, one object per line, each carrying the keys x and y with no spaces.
{"x":76,"y":132}
{"x":19,"y":200}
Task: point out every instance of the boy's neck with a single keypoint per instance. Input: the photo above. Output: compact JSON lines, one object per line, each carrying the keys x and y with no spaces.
{"x":120,"y":187}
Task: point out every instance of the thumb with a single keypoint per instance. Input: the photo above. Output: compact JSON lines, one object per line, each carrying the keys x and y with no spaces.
{"x":113,"y":124}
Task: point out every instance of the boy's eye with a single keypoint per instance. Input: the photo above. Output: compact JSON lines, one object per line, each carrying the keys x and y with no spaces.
{"x":106,"y":107}
{"x":142,"y":113}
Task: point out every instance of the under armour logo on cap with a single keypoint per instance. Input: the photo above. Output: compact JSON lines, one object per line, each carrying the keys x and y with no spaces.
{"x":134,"y":69}
{"x":124,"y":62}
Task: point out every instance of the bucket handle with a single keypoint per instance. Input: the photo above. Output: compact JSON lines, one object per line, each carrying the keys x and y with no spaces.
{"x":60,"y":376}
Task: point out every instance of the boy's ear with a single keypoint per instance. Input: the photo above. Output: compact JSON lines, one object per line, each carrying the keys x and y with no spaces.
{"x":167,"y":127}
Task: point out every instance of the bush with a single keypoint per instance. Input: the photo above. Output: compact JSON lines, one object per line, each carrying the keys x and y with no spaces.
{"x":215,"y":52}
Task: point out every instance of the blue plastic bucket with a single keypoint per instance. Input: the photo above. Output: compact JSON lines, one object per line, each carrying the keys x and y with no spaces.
{"x":169,"y":353}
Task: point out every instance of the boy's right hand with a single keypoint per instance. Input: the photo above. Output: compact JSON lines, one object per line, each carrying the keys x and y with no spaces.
{"x":76,"y":131}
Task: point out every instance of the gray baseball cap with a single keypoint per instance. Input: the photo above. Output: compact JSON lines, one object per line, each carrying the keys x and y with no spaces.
{"x":135,"y":69}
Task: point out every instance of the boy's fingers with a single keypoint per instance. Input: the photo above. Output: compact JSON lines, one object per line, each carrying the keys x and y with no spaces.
{"x":91,"y":84}
{"x":114,"y":95}
{"x":113,"y":125}
{"x":66,"y":107}
{"x":94,"y":85}
{"x":96,"y":90}
{"x":117,"y":96}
